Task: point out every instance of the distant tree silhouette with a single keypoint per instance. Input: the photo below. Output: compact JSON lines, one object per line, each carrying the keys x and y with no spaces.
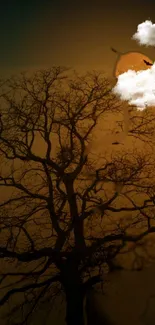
{"x":58,"y":204}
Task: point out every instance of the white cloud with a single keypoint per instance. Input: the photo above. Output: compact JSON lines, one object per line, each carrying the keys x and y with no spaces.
{"x":145,"y":34}
{"x":137,"y":87}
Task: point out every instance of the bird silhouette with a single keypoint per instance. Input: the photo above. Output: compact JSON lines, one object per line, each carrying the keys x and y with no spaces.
{"x":116,"y":142}
{"x":115,"y":51}
{"x":147,"y":63}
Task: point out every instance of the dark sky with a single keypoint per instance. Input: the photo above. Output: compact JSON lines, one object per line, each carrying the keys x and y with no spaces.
{"x":42,"y":33}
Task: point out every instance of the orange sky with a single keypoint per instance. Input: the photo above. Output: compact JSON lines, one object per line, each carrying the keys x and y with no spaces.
{"x":77,"y":34}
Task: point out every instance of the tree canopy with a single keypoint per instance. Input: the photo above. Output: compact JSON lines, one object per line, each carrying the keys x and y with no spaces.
{"x":65,"y":212}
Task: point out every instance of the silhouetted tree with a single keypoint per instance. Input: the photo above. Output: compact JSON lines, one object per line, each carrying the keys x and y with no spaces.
{"x":62,"y":211}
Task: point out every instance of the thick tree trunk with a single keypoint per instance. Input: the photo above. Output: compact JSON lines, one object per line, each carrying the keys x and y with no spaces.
{"x":74,"y":295}
{"x":74,"y":306}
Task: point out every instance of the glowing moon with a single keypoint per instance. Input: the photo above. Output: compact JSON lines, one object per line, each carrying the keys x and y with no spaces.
{"x":131,"y":60}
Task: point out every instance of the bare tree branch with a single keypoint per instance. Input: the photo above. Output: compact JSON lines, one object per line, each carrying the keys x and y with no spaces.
{"x":66,"y":212}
